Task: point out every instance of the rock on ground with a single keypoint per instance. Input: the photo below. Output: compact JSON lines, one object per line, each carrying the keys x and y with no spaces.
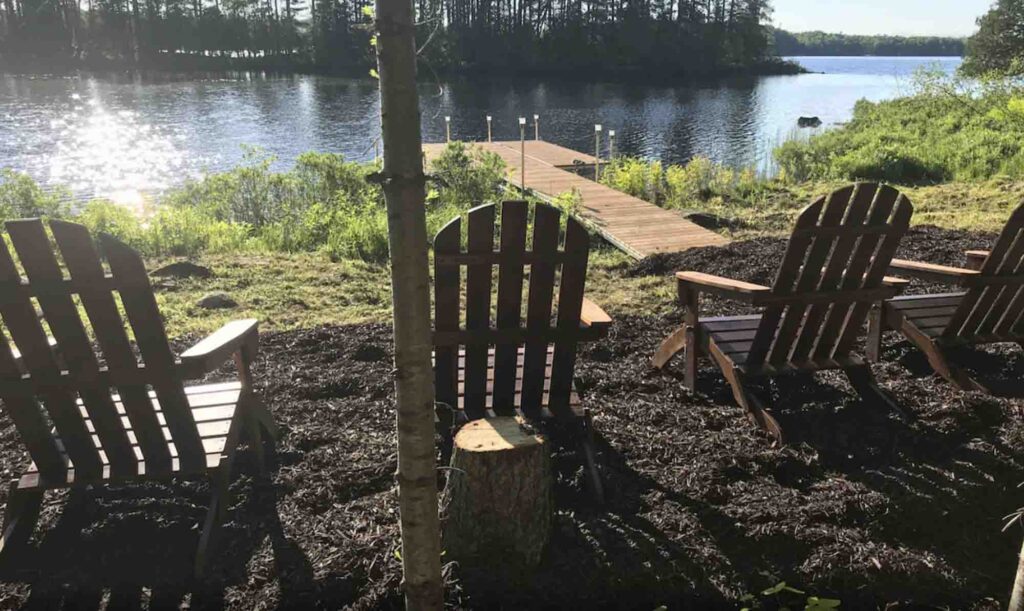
{"x":217,"y":301}
{"x":182,"y":269}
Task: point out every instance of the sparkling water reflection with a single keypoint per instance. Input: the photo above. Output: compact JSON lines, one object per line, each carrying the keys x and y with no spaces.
{"x":121,"y":137}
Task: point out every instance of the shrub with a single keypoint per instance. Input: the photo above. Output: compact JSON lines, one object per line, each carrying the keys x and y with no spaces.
{"x":188,"y":231}
{"x":102,"y":216}
{"x":22,"y":197}
{"x":466,"y":177}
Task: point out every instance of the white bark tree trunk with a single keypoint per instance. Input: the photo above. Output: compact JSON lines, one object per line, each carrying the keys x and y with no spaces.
{"x":403,"y":181}
{"x":1017,"y":595}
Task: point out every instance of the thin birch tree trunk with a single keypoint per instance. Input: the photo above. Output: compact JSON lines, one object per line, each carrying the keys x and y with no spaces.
{"x":1017,"y":595}
{"x":404,"y":189}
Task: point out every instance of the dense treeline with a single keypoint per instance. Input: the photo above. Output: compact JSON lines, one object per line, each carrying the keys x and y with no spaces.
{"x":822,"y":43}
{"x":682,"y":37}
{"x":998,"y":46}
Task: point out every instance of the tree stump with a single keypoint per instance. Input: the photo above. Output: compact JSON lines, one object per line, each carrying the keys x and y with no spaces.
{"x":499,"y":505}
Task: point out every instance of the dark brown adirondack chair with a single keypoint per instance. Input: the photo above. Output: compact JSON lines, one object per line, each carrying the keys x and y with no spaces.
{"x":831,"y":275}
{"x":500,"y":366}
{"x":989,"y":309}
{"x":114,"y":419}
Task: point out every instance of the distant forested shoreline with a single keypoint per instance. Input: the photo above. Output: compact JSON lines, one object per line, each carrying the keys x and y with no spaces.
{"x":826,"y":44}
{"x":662,"y":39}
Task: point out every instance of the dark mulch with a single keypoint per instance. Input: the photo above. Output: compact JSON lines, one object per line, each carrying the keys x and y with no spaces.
{"x":702,"y":508}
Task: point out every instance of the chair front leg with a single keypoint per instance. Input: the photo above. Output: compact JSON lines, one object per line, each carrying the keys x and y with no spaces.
{"x":20,"y":517}
{"x":691,"y":322}
{"x":876,"y":329}
{"x":257,"y":418}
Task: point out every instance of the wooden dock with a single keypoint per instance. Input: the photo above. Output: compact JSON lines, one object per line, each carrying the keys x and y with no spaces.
{"x":633,"y":225}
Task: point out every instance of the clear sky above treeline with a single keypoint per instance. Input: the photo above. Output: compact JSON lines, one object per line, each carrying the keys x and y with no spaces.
{"x":900,"y":17}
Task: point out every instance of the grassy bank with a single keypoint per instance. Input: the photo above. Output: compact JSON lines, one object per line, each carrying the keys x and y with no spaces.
{"x":324,"y":204}
{"x":752,"y":206}
{"x":949,"y":129}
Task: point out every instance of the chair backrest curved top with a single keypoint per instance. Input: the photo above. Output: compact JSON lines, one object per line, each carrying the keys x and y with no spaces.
{"x":831,"y":275}
{"x":147,"y":426}
{"x":511,"y":359}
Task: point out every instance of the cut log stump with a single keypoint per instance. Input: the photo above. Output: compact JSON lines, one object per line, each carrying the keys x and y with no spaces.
{"x":498,"y":496}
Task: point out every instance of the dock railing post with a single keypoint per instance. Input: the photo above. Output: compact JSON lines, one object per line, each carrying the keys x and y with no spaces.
{"x":447,"y":128}
{"x":597,"y":152}
{"x":611,"y":145}
{"x":489,"y":128}
{"x":536,"y":127}
{"x":522,"y":152}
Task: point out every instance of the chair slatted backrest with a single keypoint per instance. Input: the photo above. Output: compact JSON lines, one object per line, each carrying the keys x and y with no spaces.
{"x":994,"y":306}
{"x":57,"y":378}
{"x":518,"y":347}
{"x":830,"y":276}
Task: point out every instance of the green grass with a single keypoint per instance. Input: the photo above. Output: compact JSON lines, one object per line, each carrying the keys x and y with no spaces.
{"x":758,"y":206}
{"x":949,"y":130}
{"x":292,"y":291}
{"x":284,"y":291}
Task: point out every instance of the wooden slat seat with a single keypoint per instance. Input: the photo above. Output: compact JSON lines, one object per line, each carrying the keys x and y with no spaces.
{"x":831,"y":275}
{"x":734,"y":335}
{"x":213,"y":407}
{"x":520,"y":358}
{"x":91,"y":416}
{"x":930,"y":313}
{"x":991,"y":310}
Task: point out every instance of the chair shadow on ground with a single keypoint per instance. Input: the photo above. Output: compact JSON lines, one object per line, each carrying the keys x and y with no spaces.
{"x":945,"y":477}
{"x":998,"y":367}
{"x":134,"y":547}
{"x":941,"y":482}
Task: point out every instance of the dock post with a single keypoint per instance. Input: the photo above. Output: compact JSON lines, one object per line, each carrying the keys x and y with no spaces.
{"x":536,"y":127}
{"x":489,"y":128}
{"x":597,"y":152}
{"x":448,"y":128}
{"x":522,"y":152}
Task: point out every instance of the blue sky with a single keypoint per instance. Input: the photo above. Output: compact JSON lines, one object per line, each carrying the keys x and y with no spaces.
{"x":905,"y":17}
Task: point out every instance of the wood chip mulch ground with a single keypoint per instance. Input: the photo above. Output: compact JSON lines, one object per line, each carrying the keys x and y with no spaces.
{"x":702,"y":509}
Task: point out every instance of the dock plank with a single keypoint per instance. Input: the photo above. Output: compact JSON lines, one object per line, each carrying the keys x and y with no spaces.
{"x":637,"y":227}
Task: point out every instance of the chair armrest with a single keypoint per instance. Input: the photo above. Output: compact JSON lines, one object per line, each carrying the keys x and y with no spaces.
{"x":593,"y":317}
{"x":932,"y":272}
{"x":900,"y":284}
{"x":976,"y":258}
{"x":218,"y":347}
{"x":724,"y":287}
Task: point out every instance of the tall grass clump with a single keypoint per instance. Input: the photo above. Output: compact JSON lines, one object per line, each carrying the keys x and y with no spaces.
{"x":950,"y":129}
{"x":695,"y":185}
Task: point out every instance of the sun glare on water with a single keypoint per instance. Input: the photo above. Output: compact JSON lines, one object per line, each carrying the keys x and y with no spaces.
{"x":113,"y":154}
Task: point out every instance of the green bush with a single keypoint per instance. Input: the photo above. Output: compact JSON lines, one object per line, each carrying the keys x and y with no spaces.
{"x":188,"y":231}
{"x":22,"y":197}
{"x":102,"y":216}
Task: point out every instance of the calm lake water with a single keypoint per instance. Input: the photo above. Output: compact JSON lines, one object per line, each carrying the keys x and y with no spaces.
{"x":121,"y":136}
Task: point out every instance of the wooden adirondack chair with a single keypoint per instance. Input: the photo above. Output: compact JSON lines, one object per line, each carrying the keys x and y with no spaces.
{"x":501,"y":366}
{"x":989,"y":309}
{"x":115,"y":419}
{"x":832,"y":273}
